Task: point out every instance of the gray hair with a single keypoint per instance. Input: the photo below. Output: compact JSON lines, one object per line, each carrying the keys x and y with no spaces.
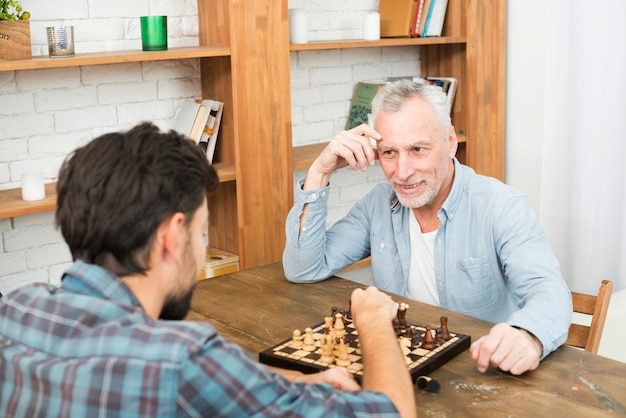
{"x":393,"y":95}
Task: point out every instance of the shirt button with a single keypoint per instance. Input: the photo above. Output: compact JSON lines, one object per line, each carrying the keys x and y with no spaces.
{"x":313,"y":196}
{"x":382,"y":245}
{"x":323,"y":194}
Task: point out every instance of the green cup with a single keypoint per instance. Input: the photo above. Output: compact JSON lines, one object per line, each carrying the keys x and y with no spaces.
{"x":154,"y":33}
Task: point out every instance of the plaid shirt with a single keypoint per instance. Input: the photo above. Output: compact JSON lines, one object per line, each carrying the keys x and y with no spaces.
{"x":88,"y":349}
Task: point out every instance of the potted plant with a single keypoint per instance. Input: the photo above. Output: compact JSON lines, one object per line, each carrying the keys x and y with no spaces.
{"x":14,"y":31}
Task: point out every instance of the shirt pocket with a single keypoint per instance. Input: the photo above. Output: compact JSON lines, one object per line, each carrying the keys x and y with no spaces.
{"x":384,"y":248}
{"x":386,"y":264}
{"x":476,"y":288}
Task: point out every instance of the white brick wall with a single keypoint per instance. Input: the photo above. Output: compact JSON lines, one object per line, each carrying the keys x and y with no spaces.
{"x":45,"y":114}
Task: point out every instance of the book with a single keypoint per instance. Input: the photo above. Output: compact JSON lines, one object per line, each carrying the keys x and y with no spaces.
{"x":206,"y":133}
{"x":448,"y":85}
{"x":217,"y":108}
{"x":396,"y":17}
{"x":208,"y":139}
{"x":434,"y":25}
{"x":361,"y":105}
{"x":426,"y":9}
{"x":191,"y":120}
{"x":418,"y":17}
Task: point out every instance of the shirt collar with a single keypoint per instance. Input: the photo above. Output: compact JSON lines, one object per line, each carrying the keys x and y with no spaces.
{"x":451,"y":204}
{"x":94,"y":280}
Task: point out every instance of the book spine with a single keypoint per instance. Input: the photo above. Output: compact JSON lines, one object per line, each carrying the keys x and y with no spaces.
{"x":418,"y":19}
{"x":428,"y":17}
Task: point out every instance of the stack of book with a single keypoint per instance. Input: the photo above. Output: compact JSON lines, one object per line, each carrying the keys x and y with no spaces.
{"x":219,"y":262}
{"x":199,"y":120}
{"x":411,"y":18}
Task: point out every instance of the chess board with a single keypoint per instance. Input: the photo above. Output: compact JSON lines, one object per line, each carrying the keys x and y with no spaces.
{"x":419,"y":360}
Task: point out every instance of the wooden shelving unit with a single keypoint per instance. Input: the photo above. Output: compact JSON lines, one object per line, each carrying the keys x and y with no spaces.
{"x":244,"y":60}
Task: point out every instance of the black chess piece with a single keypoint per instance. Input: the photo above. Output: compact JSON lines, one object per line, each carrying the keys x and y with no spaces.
{"x":428,"y":383}
{"x":428,"y":343}
{"x":445,"y":334}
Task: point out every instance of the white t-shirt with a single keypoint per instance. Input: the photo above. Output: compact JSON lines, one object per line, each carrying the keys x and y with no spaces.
{"x":422,"y":285}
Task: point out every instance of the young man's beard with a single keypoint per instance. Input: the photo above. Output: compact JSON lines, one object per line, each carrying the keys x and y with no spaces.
{"x":176,"y":307}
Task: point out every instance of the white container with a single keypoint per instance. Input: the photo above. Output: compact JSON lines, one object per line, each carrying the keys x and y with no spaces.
{"x":297,"y":26}
{"x":371,"y":27}
{"x":33,"y":187}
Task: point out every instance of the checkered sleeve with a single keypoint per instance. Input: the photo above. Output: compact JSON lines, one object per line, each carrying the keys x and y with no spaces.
{"x":221,"y":379}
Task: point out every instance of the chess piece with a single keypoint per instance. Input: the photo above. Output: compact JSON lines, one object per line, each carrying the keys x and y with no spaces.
{"x":328,"y":322}
{"x":396,"y":326}
{"x":309,"y":341}
{"x":428,"y":383}
{"x":343,"y":359}
{"x":327,"y":343}
{"x":297,"y":339}
{"x":415,"y":336}
{"x":340,"y":329}
{"x":401,"y":315}
{"x":445,"y":334}
{"x":428,"y":343}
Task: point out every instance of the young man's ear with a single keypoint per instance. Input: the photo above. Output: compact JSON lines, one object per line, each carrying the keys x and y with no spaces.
{"x":171,"y":236}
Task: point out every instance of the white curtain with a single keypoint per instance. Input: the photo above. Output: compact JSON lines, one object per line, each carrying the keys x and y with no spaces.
{"x":583,"y":185}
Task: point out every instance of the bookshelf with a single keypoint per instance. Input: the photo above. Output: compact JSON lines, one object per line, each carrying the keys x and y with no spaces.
{"x":244,"y":60}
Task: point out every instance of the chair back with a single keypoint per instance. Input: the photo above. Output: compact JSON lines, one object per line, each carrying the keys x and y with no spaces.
{"x":588,"y":337}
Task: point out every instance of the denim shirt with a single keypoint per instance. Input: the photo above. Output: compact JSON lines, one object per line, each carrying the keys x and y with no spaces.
{"x":492,"y":259}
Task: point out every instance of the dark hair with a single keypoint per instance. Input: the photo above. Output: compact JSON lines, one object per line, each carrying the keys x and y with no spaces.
{"x":114,"y":192}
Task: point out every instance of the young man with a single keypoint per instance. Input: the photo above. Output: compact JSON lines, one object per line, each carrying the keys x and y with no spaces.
{"x":132,"y":207}
{"x":436,"y":232}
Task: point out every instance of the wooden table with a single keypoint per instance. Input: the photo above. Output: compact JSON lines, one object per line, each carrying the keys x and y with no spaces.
{"x":258,"y":308}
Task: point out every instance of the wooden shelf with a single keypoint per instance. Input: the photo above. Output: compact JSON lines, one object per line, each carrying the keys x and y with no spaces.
{"x":304,"y":155}
{"x":225,"y":172}
{"x":114,"y":57}
{"x":360,"y":43}
{"x":11,"y":203}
